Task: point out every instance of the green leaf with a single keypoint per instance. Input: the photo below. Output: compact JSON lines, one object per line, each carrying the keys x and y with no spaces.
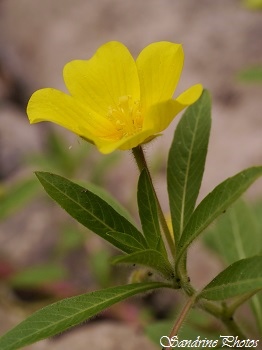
{"x":98,"y":262}
{"x":89,"y":209}
{"x":236,"y":234}
{"x":215,"y":203}
{"x":64,"y":314}
{"x":256,"y":305}
{"x":126,"y":240}
{"x":241,"y":277}
{"x":106,"y":196}
{"x":150,"y":258}
{"x":14,"y":198}
{"x":37,"y":276}
{"x":186,"y":161}
{"x":251,"y":75}
{"x":148,"y":212}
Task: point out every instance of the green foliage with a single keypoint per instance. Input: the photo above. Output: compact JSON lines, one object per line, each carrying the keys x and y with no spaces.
{"x":251,"y":75}
{"x":99,"y":264}
{"x":150,"y":258}
{"x":236,"y":237}
{"x":15,"y":197}
{"x":148,"y":212}
{"x":186,"y":162}
{"x":89,"y":209}
{"x":243,"y":276}
{"x":215,"y":203}
{"x":236,"y":234}
{"x":106,"y":196}
{"x":67,"y":313}
{"x":38,"y":275}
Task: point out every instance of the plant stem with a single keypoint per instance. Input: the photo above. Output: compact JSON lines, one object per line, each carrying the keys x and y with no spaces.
{"x":181,"y":318}
{"x":220,"y":313}
{"x":142,"y":164}
{"x":230,"y":309}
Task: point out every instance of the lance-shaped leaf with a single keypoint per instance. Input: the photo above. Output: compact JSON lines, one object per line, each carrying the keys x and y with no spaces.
{"x":89,"y":209}
{"x":16,"y":197}
{"x":150,"y":258}
{"x":215,"y":203}
{"x":237,"y":235}
{"x":64,"y":314}
{"x":241,"y":277}
{"x":107,"y":197}
{"x":126,"y":240}
{"x":148,"y":212}
{"x":186,"y":161}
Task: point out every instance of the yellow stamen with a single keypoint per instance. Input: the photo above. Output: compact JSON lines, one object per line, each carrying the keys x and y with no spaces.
{"x":126,"y":118}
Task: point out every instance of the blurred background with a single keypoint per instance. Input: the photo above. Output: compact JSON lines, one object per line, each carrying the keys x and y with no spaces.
{"x":44,"y":255}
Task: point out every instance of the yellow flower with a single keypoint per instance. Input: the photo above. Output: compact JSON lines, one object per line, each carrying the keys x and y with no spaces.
{"x":116,"y":102}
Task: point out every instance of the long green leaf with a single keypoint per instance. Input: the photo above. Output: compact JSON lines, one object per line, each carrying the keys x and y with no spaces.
{"x":186,"y":161}
{"x":106,"y":196}
{"x":126,"y":240}
{"x":150,"y":258}
{"x":58,"y":317}
{"x":215,"y":203}
{"x":237,"y":235}
{"x":17,"y":196}
{"x":89,"y":209}
{"x":148,"y":212}
{"x":251,"y":74}
{"x":242,"y":277}
{"x":37,"y":275}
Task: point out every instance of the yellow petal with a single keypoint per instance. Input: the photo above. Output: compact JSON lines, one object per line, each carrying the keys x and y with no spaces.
{"x":159,"y":67}
{"x":57,"y":107}
{"x":126,"y":143}
{"x":161,"y":115}
{"x":102,"y":80}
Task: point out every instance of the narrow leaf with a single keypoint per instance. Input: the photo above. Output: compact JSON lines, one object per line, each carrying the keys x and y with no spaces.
{"x":150,"y":258}
{"x":148,"y":212}
{"x":186,"y":161}
{"x":130,"y":243}
{"x":37,"y":276}
{"x":64,"y":314}
{"x":215,"y":203}
{"x":88,"y":209}
{"x":236,"y":234}
{"x":107,"y":197}
{"x":252,"y":74}
{"x":17,"y":196}
{"x":243,"y":276}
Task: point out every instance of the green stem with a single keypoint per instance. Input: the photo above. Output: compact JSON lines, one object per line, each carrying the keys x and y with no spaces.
{"x":230,"y":309}
{"x":142,"y":164}
{"x":221,"y":313}
{"x":181,"y":318}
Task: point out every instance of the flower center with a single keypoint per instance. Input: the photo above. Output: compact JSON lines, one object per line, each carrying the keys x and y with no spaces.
{"x":125,"y":117}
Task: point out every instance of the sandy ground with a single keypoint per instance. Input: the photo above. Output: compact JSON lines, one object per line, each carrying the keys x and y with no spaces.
{"x":38,"y":37}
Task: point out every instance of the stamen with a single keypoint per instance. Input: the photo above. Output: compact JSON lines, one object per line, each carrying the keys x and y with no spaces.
{"x":126,"y":117}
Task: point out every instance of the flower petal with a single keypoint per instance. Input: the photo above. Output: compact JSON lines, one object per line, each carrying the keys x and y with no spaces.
{"x":159,"y":68}
{"x":161,"y":115}
{"x":126,"y":143}
{"x":99,"y":82}
{"x":55,"y":106}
